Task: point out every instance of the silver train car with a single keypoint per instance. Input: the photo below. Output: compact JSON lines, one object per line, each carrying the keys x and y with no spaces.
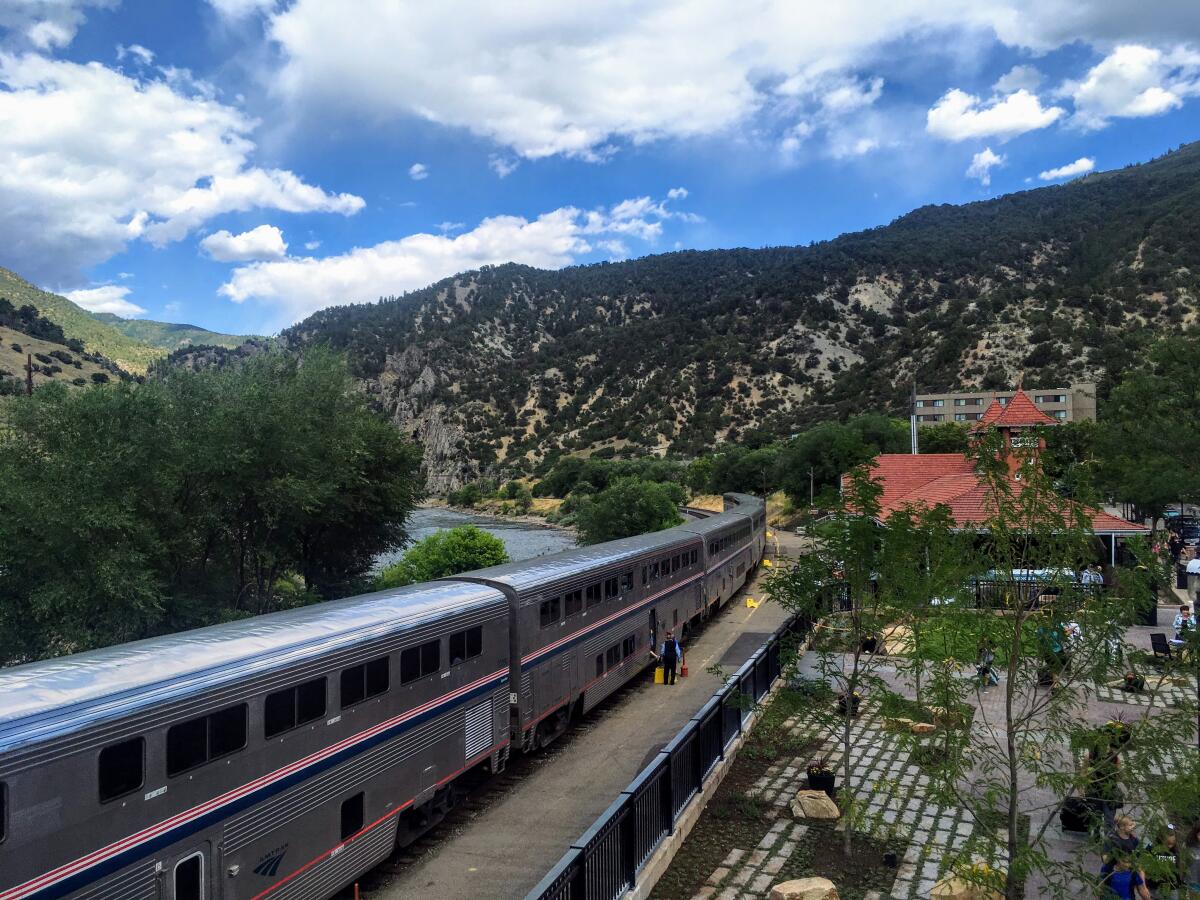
{"x":285,"y":755}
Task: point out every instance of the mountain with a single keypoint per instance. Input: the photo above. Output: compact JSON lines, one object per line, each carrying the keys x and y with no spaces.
{"x":504,"y":366}
{"x":28,"y":338}
{"x":168,"y":336}
{"x":133,"y":344}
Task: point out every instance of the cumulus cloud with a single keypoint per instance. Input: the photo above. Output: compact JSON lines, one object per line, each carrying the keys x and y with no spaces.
{"x":959,"y":116}
{"x":418,"y":171}
{"x":46,"y":24}
{"x":1081,"y":166}
{"x":311,"y":245}
{"x":1018,"y":78}
{"x":263,"y":242}
{"x":549,"y":78}
{"x":136,"y":52}
{"x":503,"y":166}
{"x":92,"y":158}
{"x":982,"y":164}
{"x":677,"y":193}
{"x":1134,"y":81}
{"x":240,"y":9}
{"x":297,"y":287}
{"x":108,"y":298}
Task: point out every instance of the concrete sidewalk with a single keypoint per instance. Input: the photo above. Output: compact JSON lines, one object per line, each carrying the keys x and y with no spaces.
{"x":508,"y":845}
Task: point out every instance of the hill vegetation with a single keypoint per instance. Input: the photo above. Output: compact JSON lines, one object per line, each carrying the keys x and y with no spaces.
{"x":28,"y":338}
{"x":503,"y":369}
{"x":169,"y":336}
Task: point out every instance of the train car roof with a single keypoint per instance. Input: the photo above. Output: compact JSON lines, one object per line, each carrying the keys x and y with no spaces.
{"x":54,"y":696}
{"x":553,"y":567}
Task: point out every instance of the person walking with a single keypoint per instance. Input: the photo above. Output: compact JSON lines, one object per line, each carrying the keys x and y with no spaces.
{"x":669,"y":654}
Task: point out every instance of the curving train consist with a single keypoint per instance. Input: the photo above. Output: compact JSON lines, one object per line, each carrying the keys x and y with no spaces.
{"x":285,"y":755}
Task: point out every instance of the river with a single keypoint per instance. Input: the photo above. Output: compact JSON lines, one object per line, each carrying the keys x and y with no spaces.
{"x":521,"y":539}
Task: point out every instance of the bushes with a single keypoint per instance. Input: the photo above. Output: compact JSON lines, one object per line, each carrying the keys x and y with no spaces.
{"x":443,"y":554}
{"x":627,"y":507}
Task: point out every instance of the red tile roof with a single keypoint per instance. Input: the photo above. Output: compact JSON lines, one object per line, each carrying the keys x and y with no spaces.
{"x":950,"y":479}
{"x":1020,"y":410}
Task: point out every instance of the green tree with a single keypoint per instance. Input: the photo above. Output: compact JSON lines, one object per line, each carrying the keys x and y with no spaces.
{"x":627,"y":507}
{"x":129,"y":510}
{"x":443,"y":554}
{"x":1150,"y":430}
{"x":944,"y":437}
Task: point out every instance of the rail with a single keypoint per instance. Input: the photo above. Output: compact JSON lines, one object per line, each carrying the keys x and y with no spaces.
{"x":605,"y":861}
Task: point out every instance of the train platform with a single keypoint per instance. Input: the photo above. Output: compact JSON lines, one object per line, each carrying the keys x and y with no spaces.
{"x":516,"y":826}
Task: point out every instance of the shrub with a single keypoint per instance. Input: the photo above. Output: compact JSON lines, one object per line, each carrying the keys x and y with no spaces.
{"x":443,"y":554}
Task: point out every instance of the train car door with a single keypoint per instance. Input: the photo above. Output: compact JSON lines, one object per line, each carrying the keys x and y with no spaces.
{"x":188,"y":876}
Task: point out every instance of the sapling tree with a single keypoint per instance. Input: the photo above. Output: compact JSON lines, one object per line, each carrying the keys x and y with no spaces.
{"x":836,"y":583}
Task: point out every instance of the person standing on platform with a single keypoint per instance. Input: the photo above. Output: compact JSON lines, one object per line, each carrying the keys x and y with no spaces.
{"x":669,"y":655}
{"x":1193,"y":575}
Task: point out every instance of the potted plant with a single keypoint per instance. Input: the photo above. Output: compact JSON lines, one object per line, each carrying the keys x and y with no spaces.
{"x":1118,"y":732}
{"x":1134,"y":683}
{"x":848,"y":703}
{"x":821,"y":778}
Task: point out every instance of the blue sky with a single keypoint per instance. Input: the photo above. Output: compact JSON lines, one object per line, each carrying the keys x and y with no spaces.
{"x":239,"y":164}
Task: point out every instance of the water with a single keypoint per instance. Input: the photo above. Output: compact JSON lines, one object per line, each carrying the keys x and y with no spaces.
{"x":522,"y":540}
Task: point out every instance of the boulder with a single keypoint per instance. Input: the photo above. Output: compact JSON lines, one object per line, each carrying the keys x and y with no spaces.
{"x":952,"y":887}
{"x":814,"y":805}
{"x":805,"y":889}
{"x":897,"y":724}
{"x":922,"y":728}
{"x":943,"y":716}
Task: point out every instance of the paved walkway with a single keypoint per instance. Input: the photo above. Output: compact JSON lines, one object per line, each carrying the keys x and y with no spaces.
{"x":898,"y":801}
{"x":506,"y":847}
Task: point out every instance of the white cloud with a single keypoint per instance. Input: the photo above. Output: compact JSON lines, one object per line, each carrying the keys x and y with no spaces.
{"x":137,"y":52}
{"x":446,"y":227}
{"x":1081,"y":166}
{"x":851,"y":95}
{"x":548,"y":78}
{"x":982,"y":164}
{"x":239,"y":9}
{"x":418,"y":171}
{"x":300,"y":286}
{"x":263,"y":242}
{"x":503,"y":166}
{"x":311,"y":245}
{"x":677,"y":193}
{"x":45,"y":24}
{"x":108,"y":298}
{"x":959,"y":116}
{"x":1018,"y":78}
{"x":92,"y":158}
{"x":1134,"y":81}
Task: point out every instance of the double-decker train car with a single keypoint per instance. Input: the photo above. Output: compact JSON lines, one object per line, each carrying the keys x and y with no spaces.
{"x":283,"y":756}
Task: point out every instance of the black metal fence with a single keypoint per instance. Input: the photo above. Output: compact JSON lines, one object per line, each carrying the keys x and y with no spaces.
{"x":604,"y":863}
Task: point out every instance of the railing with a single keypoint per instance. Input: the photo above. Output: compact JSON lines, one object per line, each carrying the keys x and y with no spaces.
{"x":604,"y":863}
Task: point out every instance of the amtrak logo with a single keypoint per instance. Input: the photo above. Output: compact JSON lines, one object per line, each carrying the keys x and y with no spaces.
{"x":268,"y":865}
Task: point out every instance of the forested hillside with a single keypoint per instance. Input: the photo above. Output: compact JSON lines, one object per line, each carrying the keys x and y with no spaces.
{"x":510,"y":364}
{"x":29,"y":339}
{"x":168,"y":335}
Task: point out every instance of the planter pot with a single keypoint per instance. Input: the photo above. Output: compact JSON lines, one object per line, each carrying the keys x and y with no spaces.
{"x":824,"y":782}
{"x":889,"y":860}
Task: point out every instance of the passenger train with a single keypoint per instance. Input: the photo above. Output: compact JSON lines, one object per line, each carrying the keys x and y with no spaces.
{"x":283,"y":756}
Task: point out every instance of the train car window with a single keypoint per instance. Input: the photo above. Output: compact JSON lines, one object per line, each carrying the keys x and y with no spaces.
{"x":549,"y":614}
{"x":628,"y":646}
{"x":466,"y":645}
{"x":353,"y":816}
{"x":599,"y":665}
{"x":417,"y":662}
{"x":645,"y":580}
{"x":121,"y":769}
{"x":593,"y":595}
{"x":693,"y":557}
{"x":613,"y":657}
{"x":610,"y":588}
{"x":369,"y":679}
{"x":654,"y":571}
{"x":675,"y":563}
{"x":627,"y":581}
{"x":189,"y":878}
{"x":3,"y":811}
{"x":294,"y":706}
{"x":573,"y":602}
{"x":197,"y":741}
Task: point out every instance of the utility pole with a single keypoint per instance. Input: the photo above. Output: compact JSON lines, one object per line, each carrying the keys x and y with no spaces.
{"x":810,"y":487}
{"x":912,"y":418}
{"x":29,"y":375}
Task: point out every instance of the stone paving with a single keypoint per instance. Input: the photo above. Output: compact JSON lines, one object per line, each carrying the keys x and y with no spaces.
{"x":1155,"y":695}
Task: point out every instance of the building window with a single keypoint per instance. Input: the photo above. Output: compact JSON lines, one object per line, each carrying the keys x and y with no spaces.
{"x":920,"y":404}
{"x":353,"y":816}
{"x":417,"y":662}
{"x":1003,"y":401}
{"x":1060,"y":414}
{"x":466,"y":645}
{"x":293,"y":707}
{"x":939,"y":402}
{"x":193,"y":743}
{"x":549,"y":614}
{"x":1051,"y":398}
{"x":932,"y":417}
{"x":122,"y":769}
{"x":370,"y":679}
